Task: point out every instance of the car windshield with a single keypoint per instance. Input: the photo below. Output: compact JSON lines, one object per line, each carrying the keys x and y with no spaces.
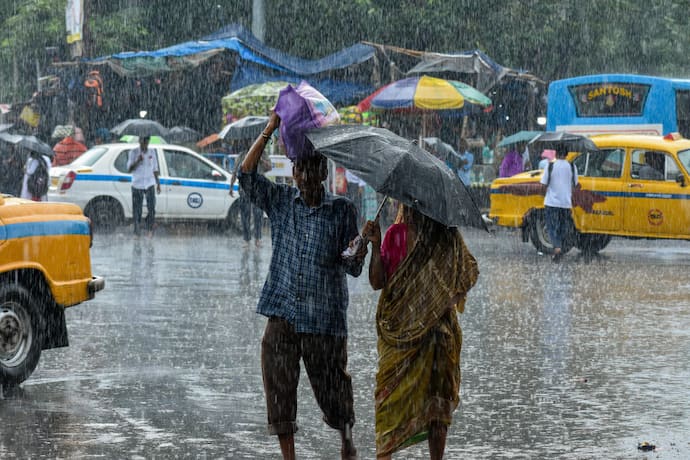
{"x":90,"y":157}
{"x":684,"y":158}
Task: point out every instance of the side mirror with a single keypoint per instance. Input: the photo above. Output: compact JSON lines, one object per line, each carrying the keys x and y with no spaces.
{"x":680,"y":179}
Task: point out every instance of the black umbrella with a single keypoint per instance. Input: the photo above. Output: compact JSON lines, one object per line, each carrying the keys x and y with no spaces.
{"x":400,"y":169}
{"x":31,"y":143}
{"x":140,"y":127}
{"x":182,"y":134}
{"x":244,"y":128}
{"x":553,"y":139}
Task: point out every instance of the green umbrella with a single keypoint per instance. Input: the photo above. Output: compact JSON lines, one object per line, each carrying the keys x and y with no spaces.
{"x":256,"y":99}
{"x":135,"y":139}
{"x":520,"y":136}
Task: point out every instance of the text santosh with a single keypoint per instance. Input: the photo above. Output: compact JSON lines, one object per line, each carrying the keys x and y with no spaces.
{"x":606,"y":90}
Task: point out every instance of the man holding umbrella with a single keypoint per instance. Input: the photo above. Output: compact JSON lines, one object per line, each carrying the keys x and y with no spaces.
{"x":559,"y":179}
{"x":143,"y":164}
{"x":305,"y":295}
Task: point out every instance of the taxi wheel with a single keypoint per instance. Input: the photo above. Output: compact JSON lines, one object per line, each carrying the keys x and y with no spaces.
{"x":105,"y":213}
{"x":592,"y":243}
{"x":21,"y":334}
{"x":540,"y":236}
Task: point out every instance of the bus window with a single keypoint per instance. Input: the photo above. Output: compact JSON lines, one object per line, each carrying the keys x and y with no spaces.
{"x":609,"y":99}
{"x":683,"y":112}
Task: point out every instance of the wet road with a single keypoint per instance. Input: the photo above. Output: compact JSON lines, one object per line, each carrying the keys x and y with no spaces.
{"x":577,"y":360}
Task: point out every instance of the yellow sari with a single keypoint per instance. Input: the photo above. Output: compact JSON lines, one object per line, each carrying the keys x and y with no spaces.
{"x":419,"y":338}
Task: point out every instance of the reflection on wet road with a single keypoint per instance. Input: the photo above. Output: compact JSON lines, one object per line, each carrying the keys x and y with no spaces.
{"x":579,"y":360}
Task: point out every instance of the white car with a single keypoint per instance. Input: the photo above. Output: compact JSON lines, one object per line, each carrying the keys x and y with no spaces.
{"x":192,"y":187}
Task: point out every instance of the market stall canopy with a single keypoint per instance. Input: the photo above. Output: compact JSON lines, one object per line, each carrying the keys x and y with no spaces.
{"x":487,"y":71}
{"x":263,"y":60}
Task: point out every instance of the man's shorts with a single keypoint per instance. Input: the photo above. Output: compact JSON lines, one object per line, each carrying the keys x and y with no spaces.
{"x":325,"y":360}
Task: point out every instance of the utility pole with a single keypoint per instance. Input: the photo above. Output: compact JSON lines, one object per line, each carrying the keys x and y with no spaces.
{"x":259,"y":19}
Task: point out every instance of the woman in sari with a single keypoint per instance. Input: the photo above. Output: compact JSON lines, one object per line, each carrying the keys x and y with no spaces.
{"x":425,"y":271}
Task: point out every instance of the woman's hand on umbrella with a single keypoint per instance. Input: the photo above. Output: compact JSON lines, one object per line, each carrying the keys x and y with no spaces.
{"x":372,"y":232}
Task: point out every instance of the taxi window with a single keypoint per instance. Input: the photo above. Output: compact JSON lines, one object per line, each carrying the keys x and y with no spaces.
{"x":182,"y":164}
{"x":602,"y":163}
{"x":90,"y":157}
{"x":684,"y":157}
{"x":653,"y":165}
{"x":121,"y":161}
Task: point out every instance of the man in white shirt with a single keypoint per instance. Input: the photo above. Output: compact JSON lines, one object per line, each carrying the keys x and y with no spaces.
{"x":143,"y":164}
{"x":559,"y":179}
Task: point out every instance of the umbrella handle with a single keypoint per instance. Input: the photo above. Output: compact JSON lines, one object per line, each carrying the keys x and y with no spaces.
{"x":359,"y":239}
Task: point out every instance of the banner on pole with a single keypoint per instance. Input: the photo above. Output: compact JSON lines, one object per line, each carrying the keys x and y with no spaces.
{"x":74,"y":20}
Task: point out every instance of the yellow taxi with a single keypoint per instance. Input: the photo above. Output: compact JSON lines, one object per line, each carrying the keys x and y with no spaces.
{"x":634,"y":186}
{"x":45,"y":267}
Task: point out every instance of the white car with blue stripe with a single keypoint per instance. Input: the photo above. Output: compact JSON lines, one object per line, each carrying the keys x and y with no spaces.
{"x":192,"y":187}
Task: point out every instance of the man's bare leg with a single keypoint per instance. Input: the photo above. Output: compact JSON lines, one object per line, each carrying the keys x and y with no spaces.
{"x":287,"y":446}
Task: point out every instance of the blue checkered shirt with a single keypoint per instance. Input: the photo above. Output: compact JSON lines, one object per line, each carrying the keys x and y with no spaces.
{"x":306,"y":282}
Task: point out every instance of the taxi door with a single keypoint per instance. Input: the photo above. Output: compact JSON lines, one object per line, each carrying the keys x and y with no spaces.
{"x":598,"y":203}
{"x":654,"y":199}
{"x":195,"y":188}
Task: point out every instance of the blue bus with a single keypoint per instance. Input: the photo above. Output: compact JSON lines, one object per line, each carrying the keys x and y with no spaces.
{"x":619,"y":103}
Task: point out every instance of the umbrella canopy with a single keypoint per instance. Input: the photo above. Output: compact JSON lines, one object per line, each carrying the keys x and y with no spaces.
{"x":400,"y":169}
{"x":520,"y":136}
{"x":31,"y":143}
{"x":554,"y":139}
{"x":135,"y":139}
{"x":140,"y":127}
{"x":256,"y":99}
{"x":182,"y":134}
{"x":244,"y":128}
{"x":425,"y":93}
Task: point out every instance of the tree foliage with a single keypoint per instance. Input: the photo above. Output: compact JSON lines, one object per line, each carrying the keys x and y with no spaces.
{"x":551,"y":38}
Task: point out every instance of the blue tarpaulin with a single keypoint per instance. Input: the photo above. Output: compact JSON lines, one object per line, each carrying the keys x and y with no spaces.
{"x":256,"y":63}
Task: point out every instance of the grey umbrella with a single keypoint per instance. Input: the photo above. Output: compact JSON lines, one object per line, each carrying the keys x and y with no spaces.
{"x":31,"y":143}
{"x":400,"y":169}
{"x":140,"y":127}
{"x":244,"y":128}
{"x":553,"y":139}
{"x":182,"y":134}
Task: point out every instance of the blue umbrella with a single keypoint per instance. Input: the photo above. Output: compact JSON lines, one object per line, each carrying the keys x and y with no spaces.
{"x":520,"y":136}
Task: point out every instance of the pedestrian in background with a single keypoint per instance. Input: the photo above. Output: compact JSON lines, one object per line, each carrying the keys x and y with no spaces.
{"x":513,"y":163}
{"x":463,"y":162}
{"x":559,"y":179}
{"x":143,"y":165}
{"x":305,"y":297}
{"x":425,"y":271}
{"x":248,"y":211}
{"x":31,"y":168}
